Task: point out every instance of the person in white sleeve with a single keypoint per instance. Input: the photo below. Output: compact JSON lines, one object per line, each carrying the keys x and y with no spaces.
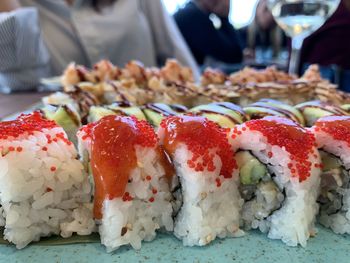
{"x":39,"y":38}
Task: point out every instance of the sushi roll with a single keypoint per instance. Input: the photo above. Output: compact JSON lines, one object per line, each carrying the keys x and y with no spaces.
{"x":132,"y":198}
{"x":270,"y":107}
{"x":207,"y":175}
{"x":43,"y":189}
{"x":333,"y":139}
{"x":226,"y":114}
{"x":280,"y":175}
{"x":313,"y":110}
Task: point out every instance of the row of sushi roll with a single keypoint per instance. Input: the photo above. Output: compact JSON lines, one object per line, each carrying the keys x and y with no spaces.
{"x":81,"y":109}
{"x":202,"y":174}
{"x":175,"y":84}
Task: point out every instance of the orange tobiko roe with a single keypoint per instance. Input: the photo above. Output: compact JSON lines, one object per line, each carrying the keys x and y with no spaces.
{"x":287,"y":134}
{"x":336,"y":126}
{"x":113,"y":154}
{"x":203,"y":138}
{"x":25,"y":123}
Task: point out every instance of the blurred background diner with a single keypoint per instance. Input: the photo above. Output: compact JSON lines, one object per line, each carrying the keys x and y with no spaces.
{"x":207,"y":30}
{"x":261,"y":40}
{"x":39,"y":38}
{"x":330,"y":47}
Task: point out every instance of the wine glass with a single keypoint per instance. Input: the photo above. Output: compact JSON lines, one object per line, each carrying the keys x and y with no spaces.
{"x":299,"y":19}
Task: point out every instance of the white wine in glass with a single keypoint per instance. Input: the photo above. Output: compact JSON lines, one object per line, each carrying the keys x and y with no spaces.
{"x":299,"y":19}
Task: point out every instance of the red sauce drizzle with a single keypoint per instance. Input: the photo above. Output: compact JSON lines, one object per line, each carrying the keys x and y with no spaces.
{"x":113,"y":155}
{"x":200,"y":136}
{"x":288,"y":134}
{"x":336,"y":126}
{"x":25,"y":123}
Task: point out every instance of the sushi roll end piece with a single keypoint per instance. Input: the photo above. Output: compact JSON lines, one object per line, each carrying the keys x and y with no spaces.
{"x":44,"y":190}
{"x":333,"y":140}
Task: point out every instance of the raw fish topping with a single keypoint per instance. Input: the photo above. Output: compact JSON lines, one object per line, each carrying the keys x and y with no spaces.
{"x":203,"y":138}
{"x":337,"y":126}
{"x":25,"y":123}
{"x":113,"y":155}
{"x":291,"y":136}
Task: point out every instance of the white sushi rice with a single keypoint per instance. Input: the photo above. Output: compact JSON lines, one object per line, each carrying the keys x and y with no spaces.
{"x":340,"y":221}
{"x":130,"y":222}
{"x":294,"y":222}
{"x":208,"y":211}
{"x":35,"y":200}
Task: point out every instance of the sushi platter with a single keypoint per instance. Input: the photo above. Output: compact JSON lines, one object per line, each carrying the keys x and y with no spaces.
{"x":145,"y":164}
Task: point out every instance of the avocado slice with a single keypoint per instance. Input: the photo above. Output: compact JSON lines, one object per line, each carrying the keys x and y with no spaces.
{"x":297,"y":116}
{"x":128,"y":111}
{"x":312,"y":114}
{"x":156,"y":112}
{"x":346,"y":107}
{"x":330,"y":161}
{"x":222,"y":121}
{"x":154,"y":118}
{"x":235,"y":108}
{"x":251,"y":170}
{"x":98,"y":112}
{"x":313,"y":110}
{"x":135,"y":111}
{"x":178,"y":108}
{"x":224,"y":117}
{"x":256,"y":112}
{"x":66,"y":117}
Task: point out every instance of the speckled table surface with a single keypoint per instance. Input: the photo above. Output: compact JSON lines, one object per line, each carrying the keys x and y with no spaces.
{"x":254,"y":247}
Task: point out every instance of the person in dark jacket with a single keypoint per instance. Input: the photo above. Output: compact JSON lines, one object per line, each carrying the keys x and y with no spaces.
{"x":208,"y":32}
{"x":330,"y":47}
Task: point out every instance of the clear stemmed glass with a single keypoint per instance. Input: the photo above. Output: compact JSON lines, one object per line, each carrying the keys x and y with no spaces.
{"x":299,"y":19}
